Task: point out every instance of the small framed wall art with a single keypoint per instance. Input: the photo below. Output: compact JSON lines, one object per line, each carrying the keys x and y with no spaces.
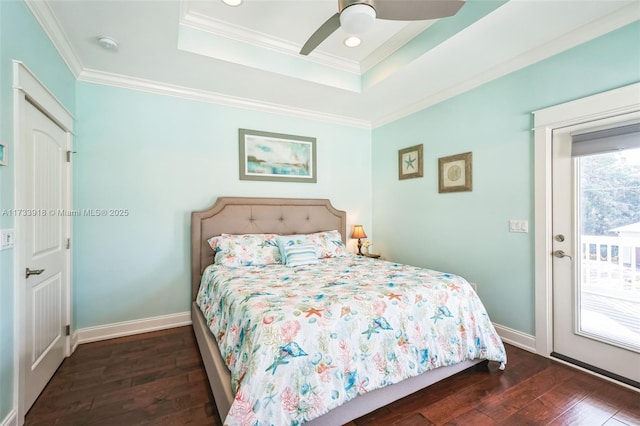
{"x":4,"y":160}
{"x":277,"y":157}
{"x":410,"y":162}
{"x":454,"y":173}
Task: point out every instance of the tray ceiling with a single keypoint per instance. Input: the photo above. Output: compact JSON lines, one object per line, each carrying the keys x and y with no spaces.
{"x":247,"y":56}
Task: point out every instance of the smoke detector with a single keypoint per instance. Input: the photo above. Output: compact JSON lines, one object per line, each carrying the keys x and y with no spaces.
{"x":108,"y":43}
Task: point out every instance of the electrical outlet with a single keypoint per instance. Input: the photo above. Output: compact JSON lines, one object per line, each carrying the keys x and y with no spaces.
{"x":6,"y":239}
{"x":519,"y":226}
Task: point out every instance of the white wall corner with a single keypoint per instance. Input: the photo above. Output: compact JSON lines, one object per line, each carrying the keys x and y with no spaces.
{"x":516,"y":338}
{"x":11,"y":419}
{"x":128,"y":328}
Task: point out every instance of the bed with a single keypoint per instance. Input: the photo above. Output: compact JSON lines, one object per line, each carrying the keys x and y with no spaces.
{"x":257,"y":390}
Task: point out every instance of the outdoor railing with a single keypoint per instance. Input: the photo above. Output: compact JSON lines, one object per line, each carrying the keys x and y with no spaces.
{"x":611,"y":264}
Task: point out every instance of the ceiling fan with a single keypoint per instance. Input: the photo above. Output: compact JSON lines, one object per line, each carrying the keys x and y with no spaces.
{"x":357,"y":16}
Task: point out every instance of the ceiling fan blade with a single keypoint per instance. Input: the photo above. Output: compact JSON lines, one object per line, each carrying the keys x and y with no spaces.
{"x":416,"y":10}
{"x":321,"y":34}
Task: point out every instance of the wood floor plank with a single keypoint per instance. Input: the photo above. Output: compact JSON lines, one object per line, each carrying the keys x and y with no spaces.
{"x":592,"y":410}
{"x":473,"y":417}
{"x":158,"y":379}
{"x":414,"y":419}
{"x":502,"y":406}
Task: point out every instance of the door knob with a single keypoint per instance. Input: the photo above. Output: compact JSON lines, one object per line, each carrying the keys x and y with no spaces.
{"x":561,"y":254}
{"x":30,"y":272}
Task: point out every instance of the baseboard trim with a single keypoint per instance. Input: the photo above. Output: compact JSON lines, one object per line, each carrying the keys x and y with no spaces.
{"x":74,"y":341}
{"x":516,"y":338}
{"x":128,"y":328}
{"x":11,"y":419}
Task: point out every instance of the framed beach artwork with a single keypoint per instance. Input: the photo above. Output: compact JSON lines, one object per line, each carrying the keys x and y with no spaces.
{"x":410,"y":162}
{"x":454,"y":173}
{"x":277,"y":157}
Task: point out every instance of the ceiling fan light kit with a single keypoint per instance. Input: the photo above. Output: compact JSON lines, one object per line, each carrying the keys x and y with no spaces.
{"x":357,"y":18}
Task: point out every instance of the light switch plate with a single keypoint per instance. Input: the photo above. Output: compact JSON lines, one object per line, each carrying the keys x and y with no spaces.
{"x":6,"y":239}
{"x":519,"y":226}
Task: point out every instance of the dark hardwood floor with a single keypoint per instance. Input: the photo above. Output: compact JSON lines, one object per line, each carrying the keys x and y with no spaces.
{"x":158,"y":379}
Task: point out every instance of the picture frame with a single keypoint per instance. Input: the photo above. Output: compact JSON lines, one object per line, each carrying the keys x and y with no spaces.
{"x":4,"y":155}
{"x":455,"y":173}
{"x":410,"y":163}
{"x":267,"y":156}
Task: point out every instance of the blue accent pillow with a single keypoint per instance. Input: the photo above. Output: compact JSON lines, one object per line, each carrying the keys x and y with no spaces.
{"x":300,"y":254}
{"x":288,"y":241}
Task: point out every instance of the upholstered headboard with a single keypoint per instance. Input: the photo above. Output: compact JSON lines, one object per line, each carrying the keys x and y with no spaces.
{"x":240,"y":215}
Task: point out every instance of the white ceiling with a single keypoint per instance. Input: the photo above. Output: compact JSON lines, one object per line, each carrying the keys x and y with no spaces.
{"x":247,"y":56}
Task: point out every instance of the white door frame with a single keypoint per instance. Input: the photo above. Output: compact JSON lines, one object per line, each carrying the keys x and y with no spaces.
{"x":27,"y":88}
{"x":607,"y":104}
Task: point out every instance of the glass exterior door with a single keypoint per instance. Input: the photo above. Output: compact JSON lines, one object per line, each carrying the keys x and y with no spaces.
{"x":596,"y":257}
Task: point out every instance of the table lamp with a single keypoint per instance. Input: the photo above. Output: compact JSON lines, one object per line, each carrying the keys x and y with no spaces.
{"x":358,"y":232}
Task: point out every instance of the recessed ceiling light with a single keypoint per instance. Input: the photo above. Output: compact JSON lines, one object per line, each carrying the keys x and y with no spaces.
{"x":232,"y":2}
{"x":108,"y":43}
{"x":352,"y":41}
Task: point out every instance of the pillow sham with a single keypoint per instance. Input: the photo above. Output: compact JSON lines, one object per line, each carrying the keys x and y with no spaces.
{"x":300,"y":254}
{"x":245,"y":249}
{"x":328,"y":244}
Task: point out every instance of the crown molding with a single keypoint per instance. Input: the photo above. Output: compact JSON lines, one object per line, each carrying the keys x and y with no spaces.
{"x":50,"y":25}
{"x":159,"y":88}
{"x":613,"y":21}
{"x":220,"y":28}
{"x":52,"y":28}
{"x":408,"y":33}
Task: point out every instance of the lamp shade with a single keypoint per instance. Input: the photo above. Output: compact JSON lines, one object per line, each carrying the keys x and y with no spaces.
{"x":358,"y":232}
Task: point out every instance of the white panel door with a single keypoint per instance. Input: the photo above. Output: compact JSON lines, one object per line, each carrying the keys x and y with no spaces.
{"x":596,"y":287}
{"x":45,"y":254}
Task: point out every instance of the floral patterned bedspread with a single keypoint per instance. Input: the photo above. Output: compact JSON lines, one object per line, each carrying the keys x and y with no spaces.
{"x":301,"y":341}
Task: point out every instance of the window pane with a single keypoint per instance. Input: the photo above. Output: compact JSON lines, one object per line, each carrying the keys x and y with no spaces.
{"x":609,"y":241}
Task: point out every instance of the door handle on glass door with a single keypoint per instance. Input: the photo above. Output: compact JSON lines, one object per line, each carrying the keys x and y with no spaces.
{"x":560,"y":253}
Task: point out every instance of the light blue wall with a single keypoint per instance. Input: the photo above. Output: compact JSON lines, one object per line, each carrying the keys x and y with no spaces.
{"x":467,"y":233}
{"x":21,"y":38}
{"x":161,"y":157}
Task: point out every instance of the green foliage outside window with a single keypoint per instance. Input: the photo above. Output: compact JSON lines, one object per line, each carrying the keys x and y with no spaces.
{"x":610,"y":189}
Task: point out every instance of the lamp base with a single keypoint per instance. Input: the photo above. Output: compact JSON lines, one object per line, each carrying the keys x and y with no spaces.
{"x":360,"y":248}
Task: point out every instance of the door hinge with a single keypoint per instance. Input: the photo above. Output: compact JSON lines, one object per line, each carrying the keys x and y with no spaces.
{"x":67,"y":330}
{"x":68,"y":243}
{"x":69,"y":155}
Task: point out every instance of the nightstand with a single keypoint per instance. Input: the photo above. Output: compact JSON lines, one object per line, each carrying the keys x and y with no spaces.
{"x":371,"y":255}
